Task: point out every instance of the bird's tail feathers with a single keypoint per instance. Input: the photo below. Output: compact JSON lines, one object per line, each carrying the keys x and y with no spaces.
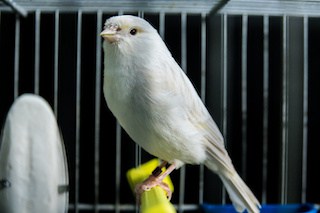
{"x":239,"y":193}
{"x":241,"y":196}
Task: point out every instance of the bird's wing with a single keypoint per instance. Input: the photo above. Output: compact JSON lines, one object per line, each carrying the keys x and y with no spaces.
{"x":181,"y":94}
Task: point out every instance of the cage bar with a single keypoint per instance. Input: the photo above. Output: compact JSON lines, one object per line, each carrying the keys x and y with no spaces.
{"x":203,"y":91}
{"x":110,"y":6}
{"x":56,"y":62}
{"x":78,"y":108}
{"x":162,"y":24}
{"x":203,"y":56}
{"x":184,"y":42}
{"x":285,"y":97}
{"x":265,"y":107}
{"x":37,"y":52}
{"x":97,"y":113}
{"x":244,"y":93}
{"x":224,"y":83}
{"x":118,"y":167}
{"x":16,"y":58}
{"x":305,"y":109}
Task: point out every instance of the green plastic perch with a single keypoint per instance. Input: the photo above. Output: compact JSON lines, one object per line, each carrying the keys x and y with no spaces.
{"x":154,"y":200}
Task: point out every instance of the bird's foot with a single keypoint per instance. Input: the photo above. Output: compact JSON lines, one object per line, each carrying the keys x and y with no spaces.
{"x":148,"y":184}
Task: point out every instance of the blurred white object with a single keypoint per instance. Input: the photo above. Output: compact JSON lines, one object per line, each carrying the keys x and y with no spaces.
{"x":33,"y":164}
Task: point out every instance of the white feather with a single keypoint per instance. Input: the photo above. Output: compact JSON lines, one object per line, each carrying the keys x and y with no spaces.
{"x":157,"y":105}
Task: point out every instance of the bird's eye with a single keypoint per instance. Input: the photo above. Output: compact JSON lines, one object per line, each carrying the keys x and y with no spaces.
{"x":133,"y":31}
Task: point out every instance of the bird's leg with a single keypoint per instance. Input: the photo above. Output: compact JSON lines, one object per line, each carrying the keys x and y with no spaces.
{"x":158,"y":170}
{"x":155,"y":179}
{"x":167,"y":172}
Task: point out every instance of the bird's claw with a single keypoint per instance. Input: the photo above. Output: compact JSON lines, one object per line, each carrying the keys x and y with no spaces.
{"x":148,"y":184}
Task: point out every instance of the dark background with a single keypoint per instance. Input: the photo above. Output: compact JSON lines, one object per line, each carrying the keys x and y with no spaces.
{"x":67,"y":99}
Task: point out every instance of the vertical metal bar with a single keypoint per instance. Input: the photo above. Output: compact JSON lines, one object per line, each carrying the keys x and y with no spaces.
{"x":78,"y":102}
{"x":244,"y":93}
{"x":56,"y":61}
{"x":97,"y":113}
{"x":184,"y":41}
{"x":118,"y":161}
{"x":118,"y":167}
{"x":203,"y":55}
{"x":162,"y":17}
{"x":141,"y":14}
{"x":37,"y":52}
{"x":203,"y":91}
{"x":182,"y":189}
{"x":16,"y":58}
{"x":305,"y":110}
{"x":224,"y":53}
{"x":184,"y":68}
{"x":265,"y":107}
{"x":285,"y":97}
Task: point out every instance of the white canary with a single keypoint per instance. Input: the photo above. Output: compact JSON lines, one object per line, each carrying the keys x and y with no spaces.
{"x":157,"y":105}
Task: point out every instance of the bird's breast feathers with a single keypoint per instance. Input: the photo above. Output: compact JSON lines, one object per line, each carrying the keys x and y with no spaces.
{"x":154,"y":111}
{"x":156,"y":104}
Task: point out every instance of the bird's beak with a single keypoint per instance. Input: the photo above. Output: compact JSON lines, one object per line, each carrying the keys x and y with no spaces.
{"x":110,"y":34}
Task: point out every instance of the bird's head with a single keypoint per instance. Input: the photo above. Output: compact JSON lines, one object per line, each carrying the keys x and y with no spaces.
{"x":129,"y":33}
{"x":126,"y":28}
